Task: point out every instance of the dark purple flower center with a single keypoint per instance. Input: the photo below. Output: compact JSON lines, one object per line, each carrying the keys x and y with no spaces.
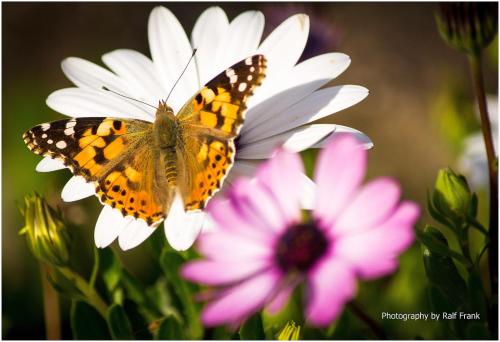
{"x":300,"y":247}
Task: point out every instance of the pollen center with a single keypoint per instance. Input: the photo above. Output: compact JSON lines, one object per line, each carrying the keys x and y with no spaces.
{"x":300,"y":247}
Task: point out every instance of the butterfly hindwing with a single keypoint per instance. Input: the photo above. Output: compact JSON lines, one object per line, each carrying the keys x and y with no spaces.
{"x":209,"y":122}
{"x":137,"y":185}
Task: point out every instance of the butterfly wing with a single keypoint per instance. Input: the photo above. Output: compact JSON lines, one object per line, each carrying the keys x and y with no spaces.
{"x":105,"y":151}
{"x":209,"y":122}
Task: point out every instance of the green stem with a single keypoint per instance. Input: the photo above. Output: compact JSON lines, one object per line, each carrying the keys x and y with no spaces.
{"x":477,"y":78}
{"x":475,"y":224}
{"x":370,"y":322}
{"x":51,"y":312}
{"x":88,"y":291}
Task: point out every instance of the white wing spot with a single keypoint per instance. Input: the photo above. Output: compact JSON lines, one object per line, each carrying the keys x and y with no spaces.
{"x":71,"y":123}
{"x":69,"y":131}
{"x":50,"y":141}
{"x":233,"y":79}
{"x":248,"y":61}
{"x":249,"y":77}
{"x":44,"y":136}
{"x":45,"y":126}
{"x":242,"y":87}
{"x":61,"y":144}
{"x":229,"y":72}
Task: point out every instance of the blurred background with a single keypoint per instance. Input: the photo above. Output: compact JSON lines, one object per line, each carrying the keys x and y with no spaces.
{"x":418,"y":112}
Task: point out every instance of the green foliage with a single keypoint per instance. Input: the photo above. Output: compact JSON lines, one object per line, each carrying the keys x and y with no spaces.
{"x":170,"y":263}
{"x":170,"y":329}
{"x":87,"y":323}
{"x":119,"y":324}
{"x":450,"y":289}
{"x":253,"y":329}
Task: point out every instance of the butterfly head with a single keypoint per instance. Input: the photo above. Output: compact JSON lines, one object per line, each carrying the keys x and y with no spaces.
{"x":163,"y":108}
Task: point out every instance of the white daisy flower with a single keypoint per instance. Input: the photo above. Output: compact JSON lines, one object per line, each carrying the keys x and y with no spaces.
{"x":473,"y":161}
{"x":281,"y":112}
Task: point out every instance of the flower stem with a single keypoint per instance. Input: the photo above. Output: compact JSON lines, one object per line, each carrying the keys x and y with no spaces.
{"x":477,"y":79}
{"x":51,"y":312}
{"x":374,"y":326}
{"x":87,"y":290}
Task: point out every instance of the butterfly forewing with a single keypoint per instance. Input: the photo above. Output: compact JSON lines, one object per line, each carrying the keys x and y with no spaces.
{"x":210,"y":121}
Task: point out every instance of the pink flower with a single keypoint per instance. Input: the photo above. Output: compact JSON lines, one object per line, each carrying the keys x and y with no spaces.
{"x":264,"y":249}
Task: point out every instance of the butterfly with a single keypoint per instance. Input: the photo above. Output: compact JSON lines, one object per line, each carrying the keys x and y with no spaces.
{"x":138,"y":167}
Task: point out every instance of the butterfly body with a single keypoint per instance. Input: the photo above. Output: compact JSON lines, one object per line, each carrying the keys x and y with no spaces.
{"x":138,"y":166}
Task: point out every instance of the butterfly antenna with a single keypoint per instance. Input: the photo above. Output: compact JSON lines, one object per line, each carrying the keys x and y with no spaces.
{"x":127,"y":97}
{"x":182,"y":73}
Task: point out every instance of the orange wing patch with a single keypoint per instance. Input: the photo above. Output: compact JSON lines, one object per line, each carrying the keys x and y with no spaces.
{"x":122,"y":190}
{"x":216,"y":156}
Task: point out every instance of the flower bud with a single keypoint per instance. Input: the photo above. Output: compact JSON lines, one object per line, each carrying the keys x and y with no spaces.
{"x":452,"y":196}
{"x":289,"y":332}
{"x":468,"y":26}
{"x":45,"y":231}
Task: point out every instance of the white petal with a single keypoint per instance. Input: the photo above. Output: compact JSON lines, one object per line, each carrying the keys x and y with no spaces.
{"x":76,"y":189}
{"x":308,"y":196}
{"x":293,"y":86}
{"x":285,"y":44}
{"x":88,"y":75}
{"x":108,"y":226}
{"x":207,"y":36}
{"x":242,"y":39}
{"x":360,"y":136}
{"x":296,"y":140}
{"x":319,"y":104}
{"x":134,"y":233}
{"x":47,"y":164}
{"x":138,"y":70}
{"x":171,"y":51}
{"x":181,"y":228}
{"x":77,"y":102}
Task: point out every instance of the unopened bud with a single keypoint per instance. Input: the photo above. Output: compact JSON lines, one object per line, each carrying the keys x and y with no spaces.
{"x":468,"y":26}
{"x":45,"y":231}
{"x":452,"y":196}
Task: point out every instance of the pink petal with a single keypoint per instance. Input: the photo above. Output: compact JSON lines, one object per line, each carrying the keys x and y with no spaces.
{"x":220,"y":273}
{"x":372,"y":205}
{"x":241,"y":301}
{"x":227,"y":218}
{"x":280,"y":300}
{"x":232,"y":247}
{"x":259,"y":204}
{"x":373,"y":252}
{"x":282,"y":175}
{"x":331,"y":285}
{"x":339,"y":171}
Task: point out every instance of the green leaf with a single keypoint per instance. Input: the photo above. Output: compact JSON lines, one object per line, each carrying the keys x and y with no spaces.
{"x":442,"y":272}
{"x":119,"y":324}
{"x":252,"y":329}
{"x":110,"y":267}
{"x":438,"y":302}
{"x":436,"y":245}
{"x":170,"y":329}
{"x":438,"y":216}
{"x":477,"y":298}
{"x":87,"y":323}
{"x":473,"y":206}
{"x":170,"y":263}
{"x":140,"y":326}
{"x":136,"y":291}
